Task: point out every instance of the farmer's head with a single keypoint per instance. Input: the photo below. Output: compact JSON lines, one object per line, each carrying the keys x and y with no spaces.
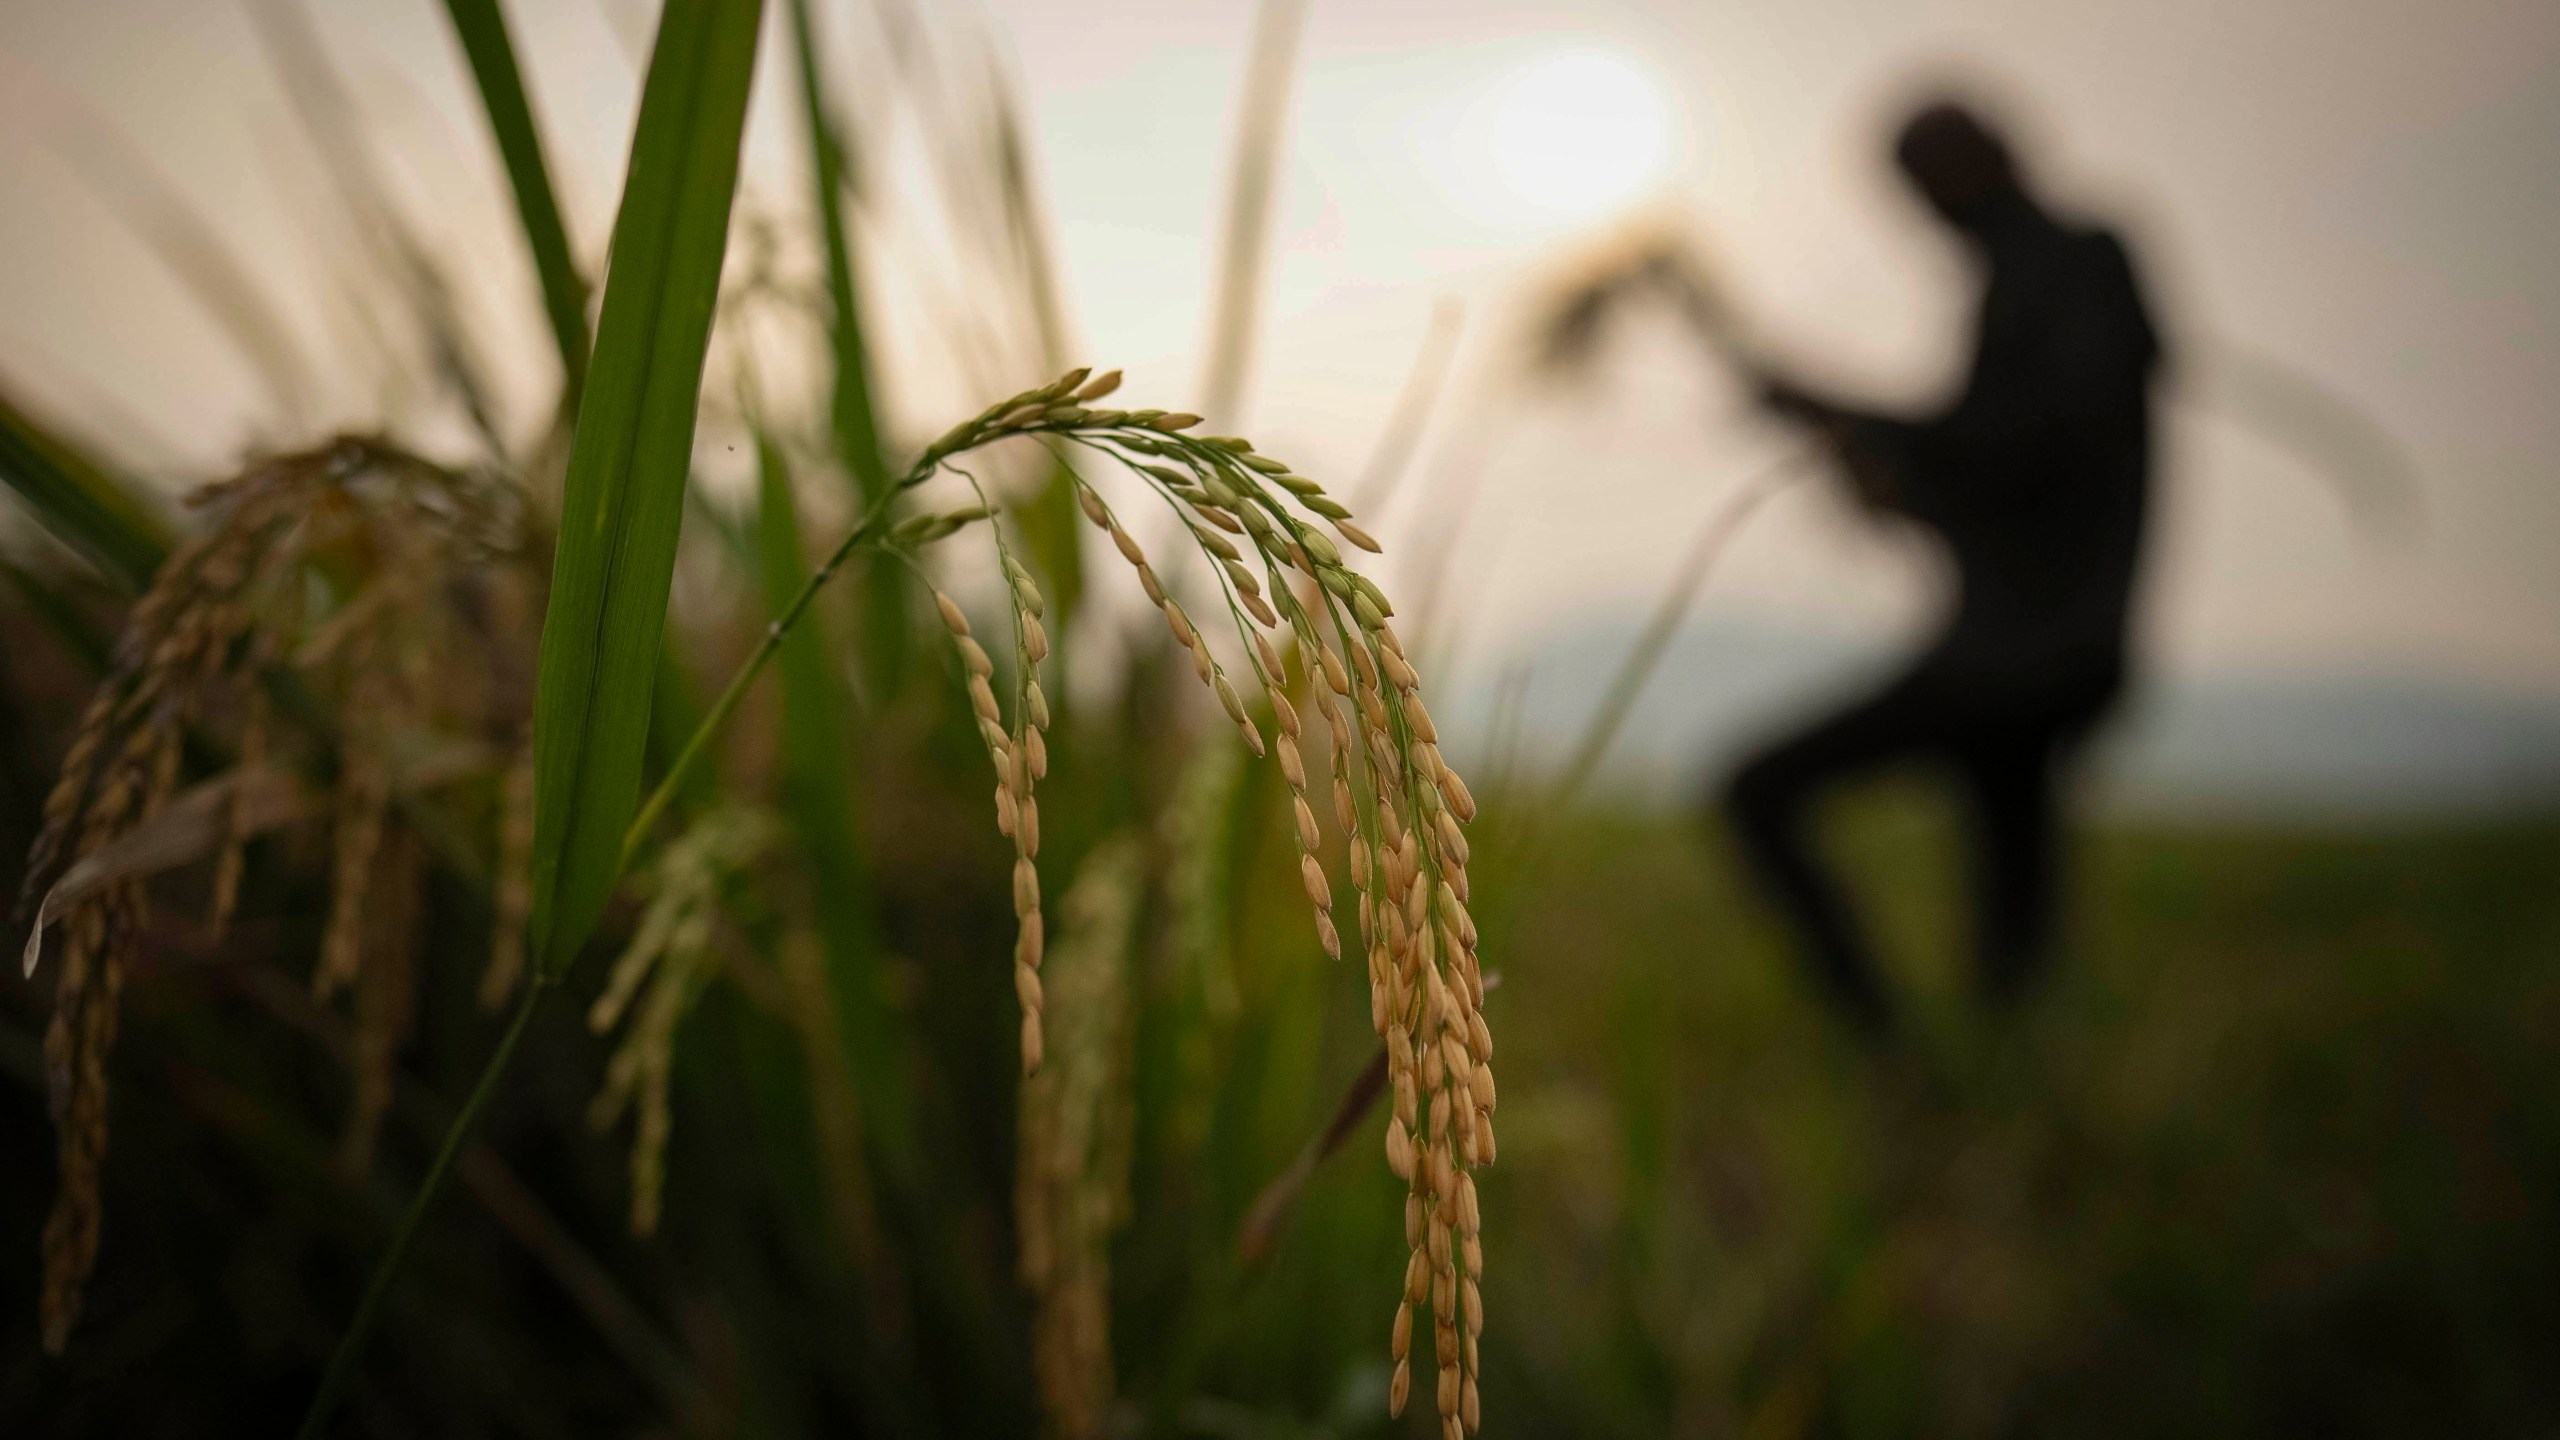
{"x":1957,"y":161}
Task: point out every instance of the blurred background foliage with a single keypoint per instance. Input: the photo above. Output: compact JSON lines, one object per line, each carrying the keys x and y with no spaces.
{"x":2277,"y":1156}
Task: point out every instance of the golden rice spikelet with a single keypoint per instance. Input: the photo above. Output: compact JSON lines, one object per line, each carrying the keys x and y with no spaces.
{"x":1424,"y":987}
{"x":653,"y":985}
{"x":1031,"y":716}
{"x":1019,"y":751}
{"x":1397,"y":803}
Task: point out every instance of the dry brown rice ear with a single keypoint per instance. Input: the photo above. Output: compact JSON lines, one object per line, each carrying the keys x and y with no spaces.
{"x":225,"y":615}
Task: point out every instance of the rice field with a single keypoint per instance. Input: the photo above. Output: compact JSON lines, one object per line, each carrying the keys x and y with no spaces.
{"x":972,"y":931}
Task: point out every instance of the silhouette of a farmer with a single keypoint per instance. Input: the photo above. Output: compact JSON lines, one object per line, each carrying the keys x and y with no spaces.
{"x":2035,"y":479}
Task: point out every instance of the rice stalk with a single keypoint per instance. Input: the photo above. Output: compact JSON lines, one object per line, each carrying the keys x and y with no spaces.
{"x":622,"y":502}
{"x":1396,"y":798}
{"x":852,"y":406}
{"x":1048,"y":517}
{"x":333,"y":125}
{"x":232,"y":859}
{"x":1198,"y":829}
{"x":1627,"y":686}
{"x":834,"y":1098}
{"x":1411,"y":413}
{"x":481,"y":29}
{"x":1400,"y":805}
{"x":850,"y":409}
{"x":386,"y":992}
{"x":821,"y":803}
{"x":1646,"y":263}
{"x":1253,"y":177}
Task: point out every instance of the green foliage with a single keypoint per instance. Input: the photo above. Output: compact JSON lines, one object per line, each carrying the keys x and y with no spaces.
{"x":482,"y":29}
{"x":2273,"y":1155}
{"x":2274,"y":1158}
{"x":826,"y":814}
{"x":852,"y":416}
{"x":78,"y":502}
{"x":849,"y":410}
{"x":623,"y":503}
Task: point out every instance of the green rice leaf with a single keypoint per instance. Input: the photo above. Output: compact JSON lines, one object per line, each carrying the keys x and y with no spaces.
{"x":79,"y":503}
{"x":1052,"y":528}
{"x":622,"y":505}
{"x":852,"y":415}
{"x":821,"y":800}
{"x":850,"y":410}
{"x":61,"y":615}
{"x":482,"y":29}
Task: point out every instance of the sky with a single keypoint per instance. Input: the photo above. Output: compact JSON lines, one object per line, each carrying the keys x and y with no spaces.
{"x":2361,"y":189}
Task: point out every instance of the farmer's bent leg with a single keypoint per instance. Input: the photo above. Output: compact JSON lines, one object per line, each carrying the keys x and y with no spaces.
{"x":1771,"y":802}
{"x":2016,"y":860}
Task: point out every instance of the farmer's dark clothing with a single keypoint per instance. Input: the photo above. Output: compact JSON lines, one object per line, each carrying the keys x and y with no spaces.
{"x":2036,"y":480}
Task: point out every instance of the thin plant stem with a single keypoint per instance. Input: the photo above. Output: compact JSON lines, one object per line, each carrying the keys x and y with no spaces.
{"x":1628,"y":685}
{"x":700,"y":741}
{"x":342,"y":1362}
{"x":1370,"y":493}
{"x":1244,"y":252}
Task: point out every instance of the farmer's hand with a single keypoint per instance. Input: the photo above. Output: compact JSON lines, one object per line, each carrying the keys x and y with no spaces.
{"x":1870,"y":476}
{"x":1783,"y":397}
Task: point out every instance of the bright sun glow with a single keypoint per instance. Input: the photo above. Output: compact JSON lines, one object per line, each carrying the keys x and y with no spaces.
{"x":1581,"y":132}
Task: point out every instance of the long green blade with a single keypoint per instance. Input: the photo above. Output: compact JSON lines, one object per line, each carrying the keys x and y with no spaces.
{"x":850,"y":409}
{"x":78,"y":502}
{"x":1245,"y":252}
{"x":622,"y":504}
{"x":853,"y":417}
{"x":73,"y":627}
{"x":1052,"y":528}
{"x":482,"y":30}
{"x":820,"y":799}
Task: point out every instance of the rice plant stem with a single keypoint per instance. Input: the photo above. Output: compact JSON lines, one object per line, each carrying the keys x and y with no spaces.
{"x":1628,"y":685}
{"x":481,"y":28}
{"x":342,"y":1363}
{"x":874,"y":521}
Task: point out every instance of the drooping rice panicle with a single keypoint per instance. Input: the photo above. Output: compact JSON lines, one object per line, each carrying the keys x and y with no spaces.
{"x":654,"y":982}
{"x":200,"y":649}
{"x":1020,"y":755}
{"x":1399,"y":804}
